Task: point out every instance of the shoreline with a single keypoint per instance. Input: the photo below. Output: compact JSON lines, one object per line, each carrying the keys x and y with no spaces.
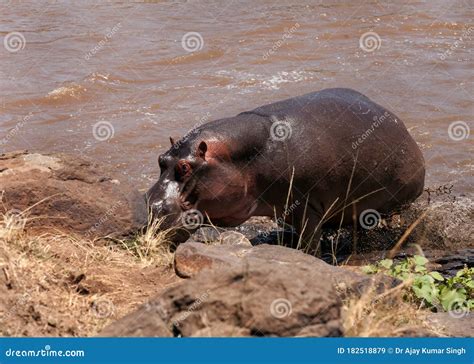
{"x":60,"y":278}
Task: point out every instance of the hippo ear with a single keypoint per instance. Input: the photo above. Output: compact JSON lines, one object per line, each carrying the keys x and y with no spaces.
{"x":172,"y":141}
{"x":213,"y":149}
{"x":202,"y":149}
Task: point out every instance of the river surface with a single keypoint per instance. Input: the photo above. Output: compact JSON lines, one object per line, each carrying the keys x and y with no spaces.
{"x":114,"y":81}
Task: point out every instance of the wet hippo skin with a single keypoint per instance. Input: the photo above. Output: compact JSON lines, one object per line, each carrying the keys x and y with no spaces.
{"x":318,"y":159}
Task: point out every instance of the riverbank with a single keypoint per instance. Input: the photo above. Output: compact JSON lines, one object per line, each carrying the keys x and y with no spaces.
{"x":72,"y":264}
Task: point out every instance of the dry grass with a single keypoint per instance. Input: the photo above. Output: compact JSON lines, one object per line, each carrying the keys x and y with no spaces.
{"x":386,"y":314}
{"x":61,"y":285}
{"x":153,"y":246}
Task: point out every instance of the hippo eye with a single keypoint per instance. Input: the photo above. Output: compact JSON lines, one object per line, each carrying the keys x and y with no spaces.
{"x":183,"y":169}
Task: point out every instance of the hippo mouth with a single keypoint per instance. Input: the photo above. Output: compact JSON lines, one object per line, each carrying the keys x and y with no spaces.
{"x":188,"y":199}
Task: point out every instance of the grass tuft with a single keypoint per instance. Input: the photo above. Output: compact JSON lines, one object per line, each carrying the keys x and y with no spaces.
{"x":56,"y":284}
{"x":384,"y":314}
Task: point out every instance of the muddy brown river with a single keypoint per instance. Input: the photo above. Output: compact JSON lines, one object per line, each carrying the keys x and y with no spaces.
{"x":114,"y":81}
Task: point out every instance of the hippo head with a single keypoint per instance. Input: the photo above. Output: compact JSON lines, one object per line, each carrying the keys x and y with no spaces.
{"x":199,"y":182}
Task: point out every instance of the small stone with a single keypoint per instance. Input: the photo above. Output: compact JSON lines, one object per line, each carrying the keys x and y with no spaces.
{"x":234,"y":238}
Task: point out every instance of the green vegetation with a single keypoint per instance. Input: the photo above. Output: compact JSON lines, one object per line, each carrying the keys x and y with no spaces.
{"x":430,"y":287}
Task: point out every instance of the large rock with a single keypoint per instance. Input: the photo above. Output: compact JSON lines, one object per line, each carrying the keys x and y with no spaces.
{"x":258,"y":296}
{"x":69,"y":194}
{"x":453,"y":324}
{"x":446,"y":224}
{"x":191,"y":258}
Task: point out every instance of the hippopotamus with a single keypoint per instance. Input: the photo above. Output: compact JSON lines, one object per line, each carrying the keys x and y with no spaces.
{"x":316,"y":160}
